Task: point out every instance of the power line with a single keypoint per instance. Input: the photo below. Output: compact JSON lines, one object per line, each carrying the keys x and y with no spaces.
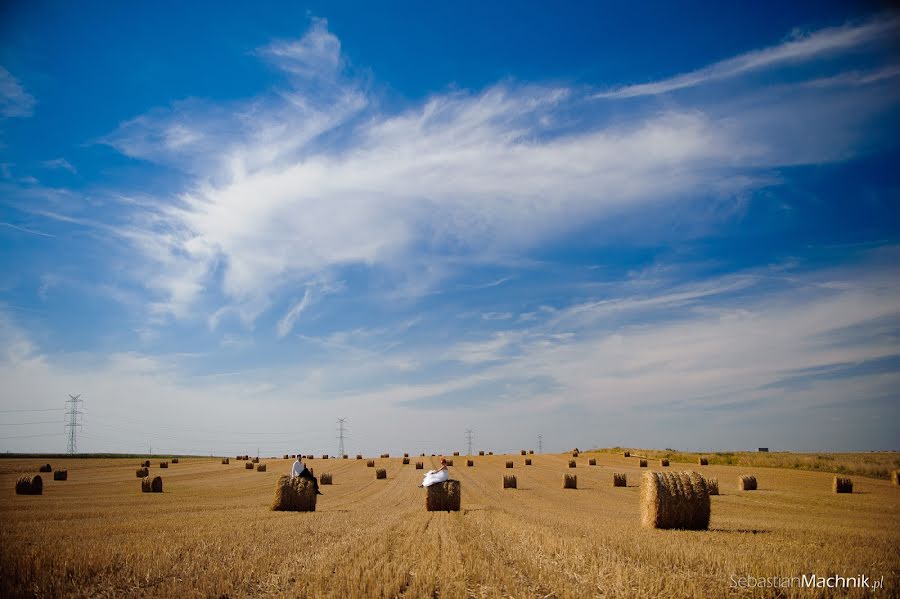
{"x":469,"y":440}
{"x":73,"y":424}
{"x":341,"y":429}
{"x":24,"y":423}
{"x":41,"y":410}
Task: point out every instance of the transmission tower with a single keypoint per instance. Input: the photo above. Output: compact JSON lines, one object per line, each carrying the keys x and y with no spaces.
{"x":540,"y":443}
{"x":341,"y":431}
{"x":469,"y":439}
{"x":73,"y":417}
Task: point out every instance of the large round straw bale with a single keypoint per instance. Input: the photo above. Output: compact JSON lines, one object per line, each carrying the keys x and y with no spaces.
{"x":164,"y":464}
{"x":572,"y":463}
{"x":523,"y":452}
{"x":619,"y":480}
{"x":248,"y":466}
{"x":324,"y":456}
{"x":509,"y":464}
{"x":254,"y":461}
{"x":344,"y":457}
{"x":842,"y":485}
{"x":156,"y":485}
{"x":405,"y":461}
{"x":380,"y":473}
{"x":405,"y":455}
{"x":286,"y":457}
{"x":664,"y":463}
{"x":574,"y":453}
{"x":470,"y":463}
{"x":419,"y":465}
{"x":30,"y":485}
{"x":325,"y":479}
{"x":675,"y":500}
{"x":45,"y":468}
{"x":712,"y":485}
{"x":747,"y":483}
{"x":530,"y":451}
{"x":143,"y":472}
{"x":895,"y":477}
{"x":449,"y":462}
{"x":358,"y":456}
{"x":626,"y":454}
{"x":570,"y":481}
{"x":146,"y":464}
{"x":174,"y":460}
{"x":260,"y":467}
{"x":294,"y":495}
{"x":642,"y":464}
{"x":385,"y":455}
{"x":61,"y":475}
{"x":509,"y":481}
{"x":592,"y":462}
{"x":480,"y":453}
{"x":528,"y":461}
{"x":490,"y":453}
{"x":370,"y":463}
{"x":455,"y":453}
{"x":702,"y":461}
{"x":225,"y":461}
{"x":443,"y":497}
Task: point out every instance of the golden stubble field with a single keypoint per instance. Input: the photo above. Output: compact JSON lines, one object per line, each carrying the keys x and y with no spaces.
{"x":211,"y":533}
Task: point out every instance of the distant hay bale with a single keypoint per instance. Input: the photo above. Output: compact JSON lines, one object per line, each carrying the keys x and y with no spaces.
{"x":572,"y":464}
{"x":260,"y":467}
{"x":480,"y":453}
{"x":509,"y":481}
{"x":324,"y":456}
{"x":703,"y":461}
{"x":146,"y":463}
{"x":254,"y":461}
{"x":509,"y":464}
{"x":530,"y":451}
{"x":248,"y":466}
{"x":627,"y":454}
{"x":151,"y":485}
{"x":675,"y":500}
{"x":490,"y":453}
{"x":45,"y":468}
{"x":570,"y":481}
{"x":443,"y":497}
{"x":405,"y":455}
{"x":385,"y":455}
{"x":455,"y":454}
{"x":61,"y":475}
{"x":528,"y":461}
{"x":380,"y":473}
{"x":421,"y":455}
{"x":419,"y":465}
{"x":344,"y":457}
{"x":619,"y":480}
{"x":470,"y":463}
{"x":286,"y":457}
{"x":370,"y":463}
{"x":358,"y":456}
{"x":592,"y":462}
{"x":712,"y":486}
{"x":225,"y":461}
{"x":164,"y":464}
{"x":405,"y":461}
{"x":174,"y":460}
{"x":575,"y":453}
{"x":143,"y":472}
{"x":325,"y":479}
{"x":30,"y":485}
{"x":842,"y":485}
{"x":747,"y":483}
{"x":449,"y":462}
{"x":642,"y":464}
{"x":764,"y":450}
{"x":294,"y":495}
{"x":895,"y":477}
{"x":664,"y":463}
{"x":239,"y":457}
{"x":523,"y":452}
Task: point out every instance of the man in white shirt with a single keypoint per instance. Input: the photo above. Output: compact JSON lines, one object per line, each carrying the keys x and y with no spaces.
{"x":300,"y":469}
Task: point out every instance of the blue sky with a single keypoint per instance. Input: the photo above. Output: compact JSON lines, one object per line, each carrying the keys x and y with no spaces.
{"x":666,"y":226}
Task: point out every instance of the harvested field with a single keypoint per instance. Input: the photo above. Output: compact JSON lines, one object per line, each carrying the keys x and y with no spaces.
{"x":88,"y":536}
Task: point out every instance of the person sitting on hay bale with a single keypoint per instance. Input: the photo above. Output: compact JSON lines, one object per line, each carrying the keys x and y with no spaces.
{"x":299,"y":469}
{"x":433,"y":477}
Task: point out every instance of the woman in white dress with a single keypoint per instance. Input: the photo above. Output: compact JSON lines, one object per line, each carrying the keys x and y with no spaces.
{"x":432,"y":477}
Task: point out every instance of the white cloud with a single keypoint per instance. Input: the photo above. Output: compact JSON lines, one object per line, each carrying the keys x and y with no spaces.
{"x":60,"y":163}
{"x":14,"y":100}
{"x":286,"y":324}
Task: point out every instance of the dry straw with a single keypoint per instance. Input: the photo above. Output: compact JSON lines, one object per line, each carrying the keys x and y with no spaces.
{"x":572,"y":463}
{"x":675,"y":500}
{"x":712,"y":485}
{"x":895,"y":477}
{"x":30,"y":485}
{"x":747,"y":483}
{"x":325,"y":479}
{"x":664,"y":463}
{"x":592,"y":462}
{"x":703,"y":461}
{"x":642,"y":464}
{"x":260,"y":467}
{"x":419,"y":465}
{"x":151,"y":485}
{"x":443,"y":497}
{"x":470,"y":463}
{"x":61,"y":475}
{"x":370,"y":463}
{"x":248,"y":466}
{"x":143,"y":472}
{"x":45,"y":468}
{"x":405,"y":461}
{"x":509,"y":481}
{"x":528,"y":461}
{"x":570,"y":481}
{"x":619,"y":480}
{"x":381,"y":473}
{"x":509,"y":464}
{"x":294,"y":495}
{"x":842,"y":485}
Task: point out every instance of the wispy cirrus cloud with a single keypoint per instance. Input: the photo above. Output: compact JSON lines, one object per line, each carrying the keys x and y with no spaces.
{"x":287,"y":322}
{"x":15,"y":102}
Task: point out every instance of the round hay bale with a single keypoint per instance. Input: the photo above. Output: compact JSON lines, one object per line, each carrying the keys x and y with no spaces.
{"x":530,"y":451}
{"x":145,"y":484}
{"x":45,"y":468}
{"x":143,"y":472}
{"x":664,"y":463}
{"x":248,"y":466}
{"x":30,"y":485}
{"x":490,"y":453}
{"x":370,"y":464}
{"x":385,"y":455}
{"x":444,"y":497}
{"x":419,"y":465}
{"x":747,"y":483}
{"x":325,"y":479}
{"x":842,"y":485}
{"x":254,"y":461}
{"x":260,"y":467}
{"x":225,"y":461}
{"x":626,"y":454}
{"x":509,"y":464}
{"x":572,"y":463}
{"x":358,"y":456}
{"x":570,"y":481}
{"x":528,"y":461}
{"x":325,"y":456}
{"x":455,"y":454}
{"x":509,"y":481}
{"x":156,"y":484}
{"x":895,"y":477}
{"x":574,"y":453}
{"x":675,"y":500}
{"x":449,"y":462}
{"x":642,"y":464}
{"x":405,"y":455}
{"x":174,"y":460}
{"x":61,"y":475}
{"x":470,"y":463}
{"x":702,"y":462}
{"x":619,"y":480}
{"x":592,"y":462}
{"x":146,"y":464}
{"x":405,"y":461}
{"x":344,"y":457}
{"x":380,"y":473}
{"x":523,"y":452}
{"x":421,"y":455}
{"x":712,"y":485}
{"x":164,"y":464}
{"x":294,"y":495}
{"x":480,"y":453}
{"x":286,"y":457}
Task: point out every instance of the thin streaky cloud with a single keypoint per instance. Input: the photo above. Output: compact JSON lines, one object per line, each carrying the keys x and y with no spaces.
{"x":14,"y":100}
{"x":819,"y":44}
{"x":287,"y":322}
{"x":26,"y":230}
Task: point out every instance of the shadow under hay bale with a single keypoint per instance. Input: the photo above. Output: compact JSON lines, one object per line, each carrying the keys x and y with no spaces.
{"x":260,"y":467}
{"x":443,"y":497}
{"x":572,"y":463}
{"x":151,"y":485}
{"x":164,"y":464}
{"x":419,"y":465}
{"x":747,"y":483}
{"x":45,"y":468}
{"x":143,"y":472}
{"x":570,"y":481}
{"x":509,"y":481}
{"x":712,"y":486}
{"x":619,"y":480}
{"x":702,"y":461}
{"x":509,"y":464}
{"x":664,"y":463}
{"x":225,"y":461}
{"x":405,"y":461}
{"x":325,"y":479}
{"x":248,"y":466}
{"x":294,"y":495}
{"x":675,"y":500}
{"x":842,"y":485}
{"x":30,"y":485}
{"x":370,"y":463}
{"x":380,"y":473}
{"x":470,"y":463}
{"x":592,"y":462}
{"x":61,"y":475}
{"x":528,"y":461}
{"x":642,"y":464}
